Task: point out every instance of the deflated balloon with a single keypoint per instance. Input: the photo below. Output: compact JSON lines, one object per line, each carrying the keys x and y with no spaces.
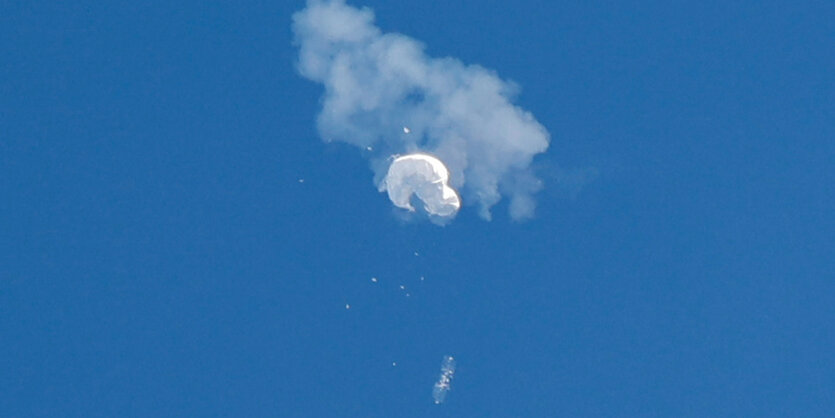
{"x":424,"y":176}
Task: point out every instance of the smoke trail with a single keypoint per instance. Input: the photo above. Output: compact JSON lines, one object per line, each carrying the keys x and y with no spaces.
{"x":376,"y":83}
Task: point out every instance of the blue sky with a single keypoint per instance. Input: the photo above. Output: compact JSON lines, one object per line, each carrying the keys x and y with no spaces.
{"x":159,"y":256}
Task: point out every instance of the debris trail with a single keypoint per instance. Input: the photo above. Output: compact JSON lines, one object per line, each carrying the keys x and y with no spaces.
{"x":442,"y":386}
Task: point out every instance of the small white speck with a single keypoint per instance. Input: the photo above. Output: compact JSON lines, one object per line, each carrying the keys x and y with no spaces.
{"x":406,"y":130}
{"x":374,"y":279}
{"x":407,"y":295}
{"x":301,"y":180}
{"x":402,"y":287}
{"x":421,"y":278}
{"x":416,"y":254}
{"x":393,"y":363}
{"x":347,"y":306}
{"x":369,"y":148}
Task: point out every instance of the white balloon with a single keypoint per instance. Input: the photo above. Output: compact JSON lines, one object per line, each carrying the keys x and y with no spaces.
{"x":424,"y":176}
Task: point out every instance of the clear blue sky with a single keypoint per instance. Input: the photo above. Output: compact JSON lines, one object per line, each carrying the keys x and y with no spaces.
{"x":159,"y":257}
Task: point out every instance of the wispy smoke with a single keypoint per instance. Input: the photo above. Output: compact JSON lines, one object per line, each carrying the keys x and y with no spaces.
{"x":376,"y":83}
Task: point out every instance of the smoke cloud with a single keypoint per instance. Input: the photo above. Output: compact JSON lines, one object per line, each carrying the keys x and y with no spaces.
{"x":376,"y":83}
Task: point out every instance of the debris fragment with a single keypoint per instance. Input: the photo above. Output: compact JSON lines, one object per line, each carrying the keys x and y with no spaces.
{"x":442,"y":386}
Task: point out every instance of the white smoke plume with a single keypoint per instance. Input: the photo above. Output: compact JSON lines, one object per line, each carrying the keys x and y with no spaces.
{"x":376,"y":84}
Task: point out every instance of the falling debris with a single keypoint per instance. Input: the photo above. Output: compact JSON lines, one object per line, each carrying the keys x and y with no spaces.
{"x":442,"y":386}
{"x":424,"y":176}
{"x":421,"y":278}
{"x":402,"y":287}
{"x":301,"y":180}
{"x":393,"y":363}
{"x":347,"y":306}
{"x":369,"y":148}
{"x":416,"y":254}
{"x":406,"y":130}
{"x":374,"y":279}
{"x":407,"y":294}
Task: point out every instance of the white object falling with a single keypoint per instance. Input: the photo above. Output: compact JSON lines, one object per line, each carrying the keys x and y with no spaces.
{"x":442,"y":386}
{"x":424,"y":176}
